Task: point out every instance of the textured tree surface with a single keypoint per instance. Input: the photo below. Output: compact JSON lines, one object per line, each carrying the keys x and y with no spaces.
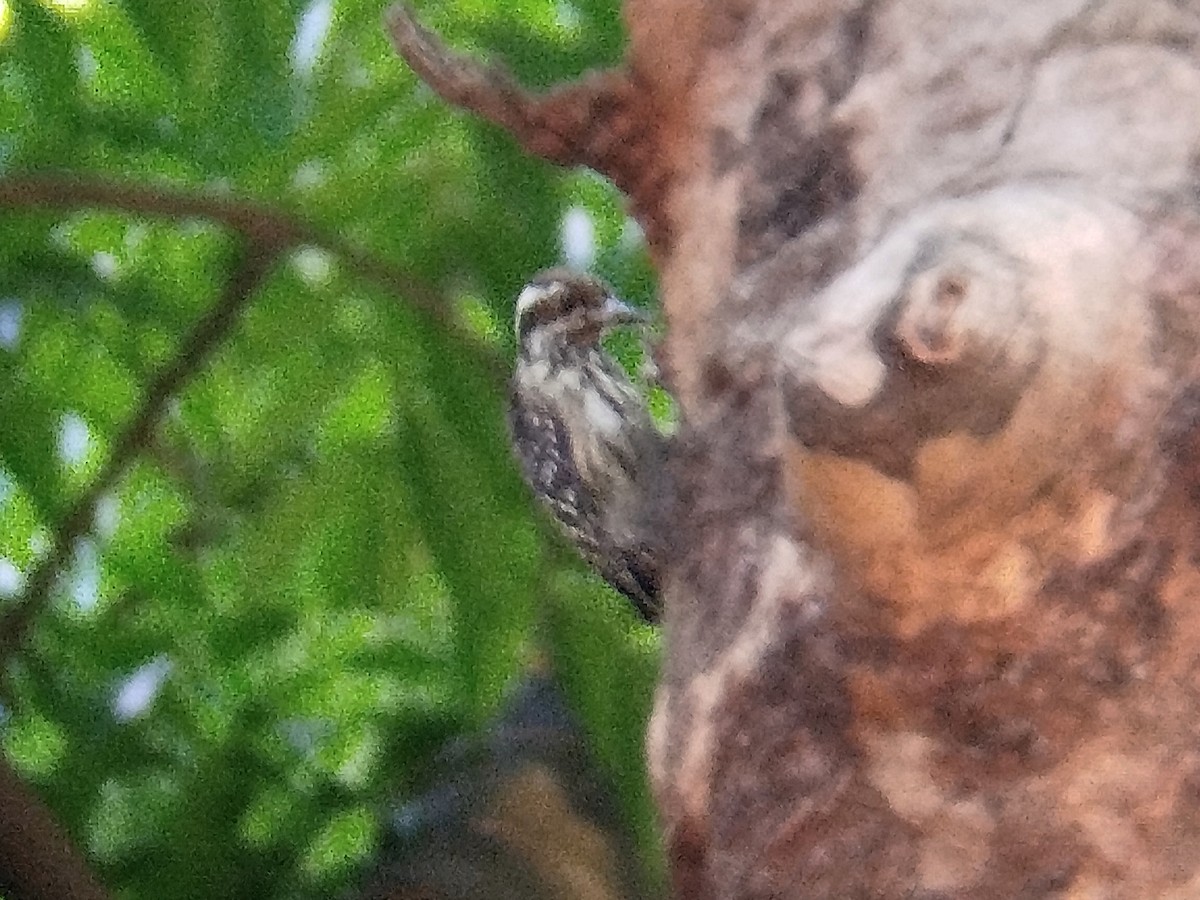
{"x":931,"y":286}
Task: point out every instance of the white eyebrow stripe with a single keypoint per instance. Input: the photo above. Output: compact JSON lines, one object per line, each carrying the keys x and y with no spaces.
{"x":527,"y":298}
{"x":534,"y":294}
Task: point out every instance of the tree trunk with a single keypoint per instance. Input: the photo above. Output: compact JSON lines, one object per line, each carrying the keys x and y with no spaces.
{"x":931,"y":279}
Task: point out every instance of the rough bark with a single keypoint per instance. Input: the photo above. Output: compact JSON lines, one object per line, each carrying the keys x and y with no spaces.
{"x":930,"y":276}
{"x":931,"y":625}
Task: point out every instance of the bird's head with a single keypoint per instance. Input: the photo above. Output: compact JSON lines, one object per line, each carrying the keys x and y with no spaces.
{"x":562,"y":308}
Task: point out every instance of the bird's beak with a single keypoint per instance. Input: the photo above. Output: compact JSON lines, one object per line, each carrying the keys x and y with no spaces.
{"x":617,"y":312}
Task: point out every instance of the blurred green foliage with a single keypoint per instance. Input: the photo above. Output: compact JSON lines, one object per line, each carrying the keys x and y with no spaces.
{"x":321,"y":565}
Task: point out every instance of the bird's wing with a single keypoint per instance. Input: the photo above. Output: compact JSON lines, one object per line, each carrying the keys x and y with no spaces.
{"x":546,"y":460}
{"x":548,"y":464}
{"x":635,"y":574}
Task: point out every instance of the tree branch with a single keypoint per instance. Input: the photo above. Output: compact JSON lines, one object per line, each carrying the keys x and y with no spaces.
{"x":267,"y":233}
{"x":37,"y":860}
{"x":194,"y":350}
{"x":259,"y":224}
{"x":604,"y":121}
{"x":487,"y":91}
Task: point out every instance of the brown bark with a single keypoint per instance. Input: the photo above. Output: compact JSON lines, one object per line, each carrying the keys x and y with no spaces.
{"x":929,"y":274}
{"x":37,"y":859}
{"x":931,"y":629}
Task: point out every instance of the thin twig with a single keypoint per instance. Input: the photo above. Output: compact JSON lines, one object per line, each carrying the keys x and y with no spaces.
{"x":194,"y":350}
{"x":267,"y":233}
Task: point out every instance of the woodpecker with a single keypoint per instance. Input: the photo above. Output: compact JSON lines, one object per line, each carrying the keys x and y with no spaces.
{"x":583,"y":434}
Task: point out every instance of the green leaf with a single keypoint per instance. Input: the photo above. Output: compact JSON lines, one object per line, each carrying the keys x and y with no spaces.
{"x":321,"y":554}
{"x":342,"y":843}
{"x":29,"y":453}
{"x":171,"y":31}
{"x":40,"y":55}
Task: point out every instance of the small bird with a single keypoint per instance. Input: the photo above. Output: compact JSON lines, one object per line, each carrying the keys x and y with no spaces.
{"x":583,"y":433}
